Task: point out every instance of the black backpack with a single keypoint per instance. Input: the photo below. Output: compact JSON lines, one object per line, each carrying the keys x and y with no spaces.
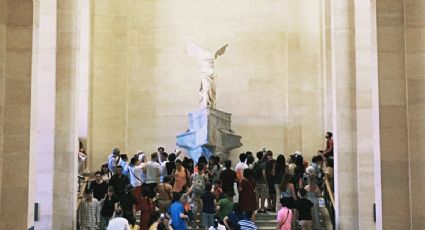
{"x":257,"y":171}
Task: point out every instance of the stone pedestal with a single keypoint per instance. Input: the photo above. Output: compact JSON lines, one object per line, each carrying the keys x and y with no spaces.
{"x":209,"y":134}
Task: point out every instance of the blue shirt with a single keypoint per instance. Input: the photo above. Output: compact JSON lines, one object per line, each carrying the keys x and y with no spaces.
{"x":125,"y":168}
{"x":247,"y":225}
{"x":175,"y":210}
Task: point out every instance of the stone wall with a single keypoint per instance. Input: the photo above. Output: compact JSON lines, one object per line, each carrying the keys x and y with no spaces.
{"x":143,"y":84}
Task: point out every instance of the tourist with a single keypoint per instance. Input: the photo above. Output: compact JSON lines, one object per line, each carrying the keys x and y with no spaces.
{"x":146,"y":208}
{"x":232,"y":219}
{"x":133,"y":225}
{"x":287,"y":190}
{"x":118,"y":222}
{"x":135,"y":170}
{"x":109,"y":204}
{"x":178,"y":218}
{"x":171,"y":164}
{"x":261,"y":190}
{"x":248,"y":223}
{"x":228,"y":178}
{"x":106,"y":174}
{"x":153,"y":172}
{"x":198,"y":180}
{"x":127,"y":203}
{"x":165,"y":195}
{"x":119,"y":181}
{"x":247,"y":193}
{"x":291,"y":164}
{"x":163,"y":162}
{"x":124,"y":163}
{"x":329,"y":151}
{"x":284,"y":215}
{"x":224,"y":206}
{"x":208,"y":207}
{"x":278,"y":171}
{"x":181,"y":178}
{"x":88,"y":212}
{"x":250,"y":161}
{"x":270,"y":162}
{"x":99,"y":187}
{"x":313,"y":193}
{"x":114,"y":160}
{"x":304,"y":207}
{"x":241,"y":166}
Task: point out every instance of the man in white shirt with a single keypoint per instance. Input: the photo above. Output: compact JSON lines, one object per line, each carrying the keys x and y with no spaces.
{"x":118,"y":223}
{"x":241,"y":166}
{"x":152,"y":172}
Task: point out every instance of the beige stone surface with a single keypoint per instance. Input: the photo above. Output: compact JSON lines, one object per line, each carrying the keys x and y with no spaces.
{"x":66,"y":139}
{"x":393,"y":116}
{"x":143,"y":84}
{"x":3,"y":20}
{"x":415,"y":73}
{"x":366,"y":75}
{"x":15,"y":57}
{"x":344,"y":114}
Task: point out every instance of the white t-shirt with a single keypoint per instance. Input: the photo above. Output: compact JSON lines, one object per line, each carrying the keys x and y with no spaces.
{"x":219,"y":227}
{"x":152,"y":170}
{"x":118,"y":223}
{"x":241,"y":166}
{"x":136,"y":171}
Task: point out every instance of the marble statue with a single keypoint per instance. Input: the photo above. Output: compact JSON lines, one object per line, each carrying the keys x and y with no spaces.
{"x":206,"y":59}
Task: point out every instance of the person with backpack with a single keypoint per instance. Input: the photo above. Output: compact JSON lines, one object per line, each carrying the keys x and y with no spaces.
{"x":259,"y":174}
{"x":198,"y":179}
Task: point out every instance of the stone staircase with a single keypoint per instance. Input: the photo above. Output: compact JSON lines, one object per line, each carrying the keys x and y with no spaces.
{"x":266,"y":221}
{"x":263,"y":221}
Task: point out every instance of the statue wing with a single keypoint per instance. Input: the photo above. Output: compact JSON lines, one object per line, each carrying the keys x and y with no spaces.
{"x":220,"y":51}
{"x":193,"y":50}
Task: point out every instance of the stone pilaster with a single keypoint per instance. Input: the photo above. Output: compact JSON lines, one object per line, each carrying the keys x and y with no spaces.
{"x":344,"y":114}
{"x":395,"y":205}
{"x":415,"y":73}
{"x":43,"y":109}
{"x":366,"y":89}
{"x":66,"y":140}
{"x":15,"y":75}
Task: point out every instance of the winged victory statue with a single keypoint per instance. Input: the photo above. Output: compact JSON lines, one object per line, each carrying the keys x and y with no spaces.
{"x":206,"y":59}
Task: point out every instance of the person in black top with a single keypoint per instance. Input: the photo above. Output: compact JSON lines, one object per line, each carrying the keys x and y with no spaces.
{"x":270,"y":164}
{"x":109,"y":204}
{"x":208,"y":207}
{"x":119,"y":182}
{"x":128,"y":202}
{"x":304,"y":207}
{"x":228,"y":178}
{"x":99,"y":187}
{"x":171,"y":165}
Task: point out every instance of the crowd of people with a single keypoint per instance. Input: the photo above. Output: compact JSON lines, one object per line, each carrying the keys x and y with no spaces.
{"x":172,"y":191}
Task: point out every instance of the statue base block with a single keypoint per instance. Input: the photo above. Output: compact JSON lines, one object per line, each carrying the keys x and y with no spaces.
{"x":209,"y":134}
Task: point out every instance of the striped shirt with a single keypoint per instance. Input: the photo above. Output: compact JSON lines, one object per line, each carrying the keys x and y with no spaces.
{"x":89,"y":213}
{"x":247,"y":225}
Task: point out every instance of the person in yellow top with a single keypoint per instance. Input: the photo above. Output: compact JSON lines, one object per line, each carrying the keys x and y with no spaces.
{"x":132,"y":223}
